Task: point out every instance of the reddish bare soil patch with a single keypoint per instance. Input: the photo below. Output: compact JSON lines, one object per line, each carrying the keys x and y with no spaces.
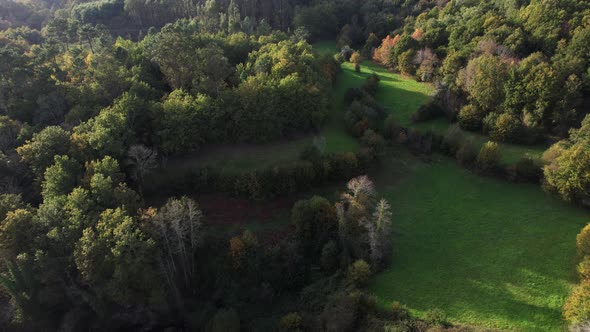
{"x":222,"y":210}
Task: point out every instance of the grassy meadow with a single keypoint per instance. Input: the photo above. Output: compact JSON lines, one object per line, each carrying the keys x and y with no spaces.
{"x":486,"y":252}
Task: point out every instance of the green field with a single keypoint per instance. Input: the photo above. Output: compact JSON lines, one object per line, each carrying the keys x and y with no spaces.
{"x":486,"y":252}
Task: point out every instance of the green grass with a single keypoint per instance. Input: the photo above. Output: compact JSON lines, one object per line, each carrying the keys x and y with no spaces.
{"x":241,"y":157}
{"x":486,"y":252}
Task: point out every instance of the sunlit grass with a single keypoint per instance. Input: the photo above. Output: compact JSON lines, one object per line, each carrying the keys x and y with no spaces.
{"x":486,"y":252}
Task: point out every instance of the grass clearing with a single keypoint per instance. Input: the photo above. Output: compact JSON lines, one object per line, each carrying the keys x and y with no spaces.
{"x":486,"y":252}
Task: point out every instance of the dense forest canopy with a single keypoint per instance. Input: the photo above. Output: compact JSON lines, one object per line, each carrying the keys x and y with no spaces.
{"x":97,"y":95}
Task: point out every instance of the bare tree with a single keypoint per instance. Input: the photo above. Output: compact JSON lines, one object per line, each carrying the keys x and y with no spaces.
{"x":143,"y":160}
{"x":379,"y":229}
{"x":178,"y":228}
{"x":360,"y":196}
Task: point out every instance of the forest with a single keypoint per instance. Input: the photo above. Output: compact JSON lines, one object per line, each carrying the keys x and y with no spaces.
{"x":295,"y":165}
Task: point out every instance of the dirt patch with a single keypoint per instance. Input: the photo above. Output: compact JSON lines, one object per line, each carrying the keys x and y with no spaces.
{"x":223,"y":210}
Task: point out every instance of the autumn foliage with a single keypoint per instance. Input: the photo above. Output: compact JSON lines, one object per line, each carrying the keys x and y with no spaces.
{"x":381,"y":54}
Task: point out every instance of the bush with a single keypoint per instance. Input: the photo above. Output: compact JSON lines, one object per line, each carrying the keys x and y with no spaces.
{"x":467,"y":154}
{"x":489,"y":123}
{"x":583,"y":241}
{"x":584,"y":268}
{"x":310,"y":153}
{"x":352,"y":94}
{"x":489,"y":157}
{"x":356,"y":58}
{"x":471,"y":117}
{"x":577,"y":306}
{"x":391,"y":128}
{"x":290,"y":322}
{"x":371,"y":84}
{"x":373,"y":141}
{"x":399,"y":311}
{"x":359,"y":273}
{"x":339,"y":57}
{"x":528,"y":170}
{"x":453,"y":139}
{"x":427,"y":112}
{"x":508,"y":129}
{"x":435,"y":317}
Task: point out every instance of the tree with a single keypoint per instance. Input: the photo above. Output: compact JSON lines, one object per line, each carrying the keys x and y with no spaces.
{"x":471,"y":117}
{"x":382,"y":53}
{"x":39,"y":152}
{"x":61,"y":177}
{"x":359,"y":273}
{"x":233,"y":17}
{"x":356,"y":59}
{"x":360,"y":196}
{"x":315,"y":223}
{"x":483,"y":79}
{"x":107,"y":134}
{"x":10,"y":202}
{"x":583,"y":241}
{"x":184,"y":121}
{"x":566,"y":172}
{"x":379,"y":228}
{"x":508,"y":128}
{"x":118,"y":261}
{"x":142,"y":160}
{"x":178,"y":231}
{"x":9,"y":130}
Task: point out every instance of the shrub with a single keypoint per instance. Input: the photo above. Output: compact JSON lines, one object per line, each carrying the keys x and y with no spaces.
{"x":427,"y":112}
{"x":489,"y":157}
{"x":508,"y":129}
{"x":339,"y":58}
{"x":356,"y":58}
{"x":359,"y":273}
{"x":290,"y":322}
{"x":391,"y":128}
{"x":435,"y":317}
{"x":453,"y":139}
{"x":583,"y":241}
{"x":467,"y":154}
{"x":373,"y":141}
{"x":471,"y":117}
{"x":371,"y":84}
{"x":577,"y":306}
{"x":584,"y":268}
{"x":353,"y":94}
{"x":399,"y":311}
{"x":528,"y":170}
{"x":310,"y":153}
{"x":489,"y":123}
